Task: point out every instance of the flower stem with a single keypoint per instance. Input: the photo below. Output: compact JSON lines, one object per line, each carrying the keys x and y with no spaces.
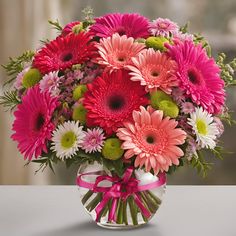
{"x":94,"y":202}
{"x":87,"y":196}
{"x":154,"y":197}
{"x":133,"y":210}
{"x":125,"y":219}
{"x":120,"y":217}
{"x":152,"y":206}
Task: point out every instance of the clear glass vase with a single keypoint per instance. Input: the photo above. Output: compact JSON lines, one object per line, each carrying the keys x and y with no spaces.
{"x":117,"y":203}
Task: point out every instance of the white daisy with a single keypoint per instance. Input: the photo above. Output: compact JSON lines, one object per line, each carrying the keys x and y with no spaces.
{"x":67,"y":139}
{"x":204,"y":128}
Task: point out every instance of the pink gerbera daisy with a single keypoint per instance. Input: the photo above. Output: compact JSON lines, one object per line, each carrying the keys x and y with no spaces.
{"x":111,"y":99}
{"x":154,"y":70}
{"x":116,"y":51}
{"x":131,"y":25}
{"x":93,"y":140}
{"x":63,"y":52}
{"x":33,"y":125}
{"x":199,"y":75}
{"x":163,"y":27}
{"x":152,"y":139}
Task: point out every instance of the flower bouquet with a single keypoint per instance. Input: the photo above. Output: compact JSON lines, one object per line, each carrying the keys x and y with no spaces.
{"x":126,"y":99}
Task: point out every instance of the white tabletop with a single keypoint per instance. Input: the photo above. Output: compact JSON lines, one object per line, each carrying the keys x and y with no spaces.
{"x":56,"y":211}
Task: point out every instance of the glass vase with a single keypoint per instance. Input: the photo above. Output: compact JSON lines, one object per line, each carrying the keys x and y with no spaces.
{"x":119,"y":202}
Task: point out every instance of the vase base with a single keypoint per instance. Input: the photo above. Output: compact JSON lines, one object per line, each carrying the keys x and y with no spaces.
{"x":118,"y":226}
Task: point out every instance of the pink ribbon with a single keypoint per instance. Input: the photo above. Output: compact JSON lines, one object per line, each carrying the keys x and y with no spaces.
{"x":121,"y":188}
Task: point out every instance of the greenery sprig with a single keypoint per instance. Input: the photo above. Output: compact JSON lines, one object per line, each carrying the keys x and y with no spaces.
{"x":9,"y":100}
{"x":16,"y":65}
{"x":55,"y":25}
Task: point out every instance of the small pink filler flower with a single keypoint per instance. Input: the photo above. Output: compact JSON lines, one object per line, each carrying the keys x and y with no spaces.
{"x":93,"y":140}
{"x":163,"y":27}
{"x":153,"y":139}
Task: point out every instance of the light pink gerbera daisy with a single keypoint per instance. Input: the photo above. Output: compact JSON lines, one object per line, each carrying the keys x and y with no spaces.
{"x":93,"y":140}
{"x":152,"y":139}
{"x":129,"y":24}
{"x":163,"y":27}
{"x":154,"y":70}
{"x":33,"y":122}
{"x":50,"y":82}
{"x":116,"y":51}
{"x":199,"y":75}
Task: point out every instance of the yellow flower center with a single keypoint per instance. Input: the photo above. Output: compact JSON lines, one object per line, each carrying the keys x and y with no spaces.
{"x":201,"y":127}
{"x":68,"y":140}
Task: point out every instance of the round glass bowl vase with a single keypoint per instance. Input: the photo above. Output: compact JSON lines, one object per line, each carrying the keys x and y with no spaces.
{"x":120,"y":202}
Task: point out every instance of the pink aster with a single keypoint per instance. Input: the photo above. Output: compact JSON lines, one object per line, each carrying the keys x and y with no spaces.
{"x":163,"y":27}
{"x":152,"y":139}
{"x":93,"y":140}
{"x":187,"y":107}
{"x":154,"y":70}
{"x":116,"y":51}
{"x":50,"y":83}
{"x":33,"y":124}
{"x":199,"y":75}
{"x":129,"y":24}
{"x":18,"y":82}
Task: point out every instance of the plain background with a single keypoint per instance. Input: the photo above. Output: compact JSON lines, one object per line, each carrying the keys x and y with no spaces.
{"x":24,"y":22}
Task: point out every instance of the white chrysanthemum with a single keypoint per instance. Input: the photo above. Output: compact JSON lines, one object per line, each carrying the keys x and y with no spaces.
{"x":67,"y":139}
{"x":204,"y":127}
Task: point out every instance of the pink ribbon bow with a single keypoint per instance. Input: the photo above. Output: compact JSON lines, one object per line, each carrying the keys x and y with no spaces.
{"x":121,"y":188}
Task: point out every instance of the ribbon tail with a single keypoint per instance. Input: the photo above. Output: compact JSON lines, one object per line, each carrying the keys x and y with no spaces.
{"x":101,"y":206}
{"x":142,"y":208}
{"x":112,"y":215}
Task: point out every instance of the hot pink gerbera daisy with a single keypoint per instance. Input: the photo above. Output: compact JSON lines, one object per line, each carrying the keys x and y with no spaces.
{"x":131,"y":25}
{"x":69,"y":27}
{"x":199,"y":75}
{"x":154,"y":70}
{"x":116,"y":51}
{"x":93,"y":140}
{"x":63,"y":52}
{"x":33,"y":125}
{"x":152,"y":139}
{"x":163,"y":27}
{"x":111,"y":99}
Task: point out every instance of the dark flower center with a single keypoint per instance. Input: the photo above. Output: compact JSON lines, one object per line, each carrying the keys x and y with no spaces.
{"x":67,"y":57}
{"x":155,"y":73}
{"x":121,"y":31}
{"x":150,"y":139}
{"x":116,"y":102}
{"x":39,"y":121}
{"x":193,"y":77}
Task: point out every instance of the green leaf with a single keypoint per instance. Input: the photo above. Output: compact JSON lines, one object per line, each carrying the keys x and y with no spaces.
{"x":200,"y":164}
{"x":116,"y":166}
{"x":56,"y":25}
{"x":184,"y":29}
{"x":16,"y":65}
{"x":9,"y":100}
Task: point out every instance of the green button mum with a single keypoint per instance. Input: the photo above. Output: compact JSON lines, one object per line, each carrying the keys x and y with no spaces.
{"x":31,"y":77}
{"x":112,"y":149}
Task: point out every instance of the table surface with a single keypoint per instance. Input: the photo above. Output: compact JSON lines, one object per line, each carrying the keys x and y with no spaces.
{"x":56,"y":211}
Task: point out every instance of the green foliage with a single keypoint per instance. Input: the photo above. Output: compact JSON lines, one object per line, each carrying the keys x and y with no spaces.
{"x":227,"y":117}
{"x":9,"y":100}
{"x":198,"y":38}
{"x":184,"y":28}
{"x":227,"y":69}
{"x":88,"y":16}
{"x":201,"y":165}
{"x":219,"y":152}
{"x":16,"y":65}
{"x":46,"y":161}
{"x":56,"y":25}
{"x":173,"y":168}
{"x":116,"y":166}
